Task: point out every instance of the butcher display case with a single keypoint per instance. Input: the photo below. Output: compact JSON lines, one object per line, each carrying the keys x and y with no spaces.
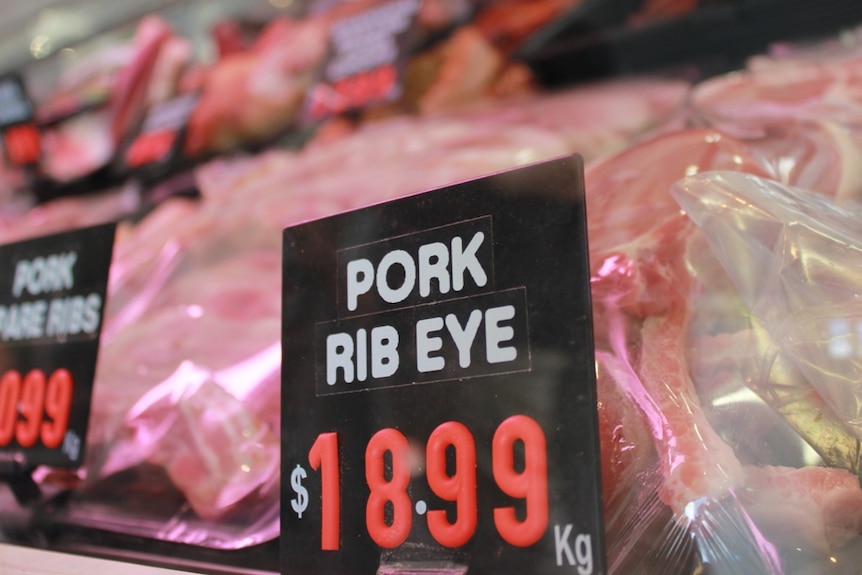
{"x":664,"y":195}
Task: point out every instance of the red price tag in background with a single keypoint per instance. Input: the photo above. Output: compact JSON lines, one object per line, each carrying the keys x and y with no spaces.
{"x":164,"y":124}
{"x":355,"y":92}
{"x":149,"y":148}
{"x":439,"y":383}
{"x":368,"y":53}
{"x":23,"y":144}
{"x":22,"y":141}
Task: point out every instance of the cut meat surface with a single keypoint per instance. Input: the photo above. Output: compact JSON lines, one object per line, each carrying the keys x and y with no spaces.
{"x":214,"y":308}
{"x":270,"y":79}
{"x":815,"y":508}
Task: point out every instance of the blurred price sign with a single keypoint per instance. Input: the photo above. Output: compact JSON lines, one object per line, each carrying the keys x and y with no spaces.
{"x":162,"y":132}
{"x":439,"y":383}
{"x":21,"y":138}
{"x":368,"y":52}
{"x":52,"y":297}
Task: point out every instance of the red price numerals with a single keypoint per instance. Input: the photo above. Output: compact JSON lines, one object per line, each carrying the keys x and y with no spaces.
{"x":150,"y":148}
{"x":375,"y":85}
{"x":24,"y":404}
{"x":23,"y":144}
{"x":528,"y":481}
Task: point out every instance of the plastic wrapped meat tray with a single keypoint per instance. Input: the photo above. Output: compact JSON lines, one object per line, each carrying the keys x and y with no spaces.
{"x":726,"y":325}
{"x":725,"y":309}
{"x":184,"y":437}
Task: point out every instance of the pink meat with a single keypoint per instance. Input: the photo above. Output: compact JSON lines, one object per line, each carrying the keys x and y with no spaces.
{"x":643,"y":285}
{"x":645,"y":280}
{"x":196,"y":305}
{"x":813,"y":508}
{"x":695,"y":461}
{"x":818,"y":87}
{"x":66,"y":214}
{"x":160,"y":370}
{"x":626,"y":442}
{"x":213,"y":315}
{"x":78,"y":146}
{"x":469,"y":68}
{"x":201,"y":396}
{"x":628,"y":193}
{"x":457,"y":146}
{"x":81,"y":145}
{"x":270,"y":79}
{"x":129,"y":93}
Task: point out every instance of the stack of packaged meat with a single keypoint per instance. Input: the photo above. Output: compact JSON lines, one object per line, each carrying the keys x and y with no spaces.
{"x":726,"y":321}
{"x":725,"y":254}
{"x":189,"y":370}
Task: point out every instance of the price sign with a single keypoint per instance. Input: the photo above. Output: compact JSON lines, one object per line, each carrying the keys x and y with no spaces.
{"x":161,"y":133}
{"x":52,"y":294}
{"x":21,"y":138}
{"x":367,"y":57}
{"x":439,"y":401}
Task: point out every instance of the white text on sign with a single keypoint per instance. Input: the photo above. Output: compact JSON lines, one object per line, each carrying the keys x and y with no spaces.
{"x":419,"y":308}
{"x":58,"y":317}
{"x":436,"y":262}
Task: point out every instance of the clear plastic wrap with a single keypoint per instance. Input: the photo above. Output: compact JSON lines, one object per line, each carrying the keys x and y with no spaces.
{"x":779,"y":372}
{"x":186,"y":399}
{"x":717,"y":452}
{"x":820,"y":82}
{"x":747,"y":469}
{"x":795,"y":259}
{"x":682,"y":481}
{"x":708,"y":468}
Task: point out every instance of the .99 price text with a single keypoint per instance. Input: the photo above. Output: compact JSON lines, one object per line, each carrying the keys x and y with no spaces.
{"x":25,"y":403}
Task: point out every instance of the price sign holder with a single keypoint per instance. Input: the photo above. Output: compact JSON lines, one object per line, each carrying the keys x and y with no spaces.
{"x":157,"y":148}
{"x":439,"y":404}
{"x":52,"y":296}
{"x":22,"y":142}
{"x":20,"y":480}
{"x":367,"y":57}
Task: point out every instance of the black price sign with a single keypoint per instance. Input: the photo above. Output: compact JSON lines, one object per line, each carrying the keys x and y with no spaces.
{"x":21,"y":138}
{"x":52,"y":296}
{"x":367,"y":57}
{"x":438,"y":383}
{"x":162,"y":132}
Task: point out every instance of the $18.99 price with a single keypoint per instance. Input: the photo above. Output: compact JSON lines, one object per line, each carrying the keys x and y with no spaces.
{"x":26,"y":401}
{"x":528,"y":482}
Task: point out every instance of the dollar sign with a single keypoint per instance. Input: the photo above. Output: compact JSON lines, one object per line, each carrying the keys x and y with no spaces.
{"x":301,"y":502}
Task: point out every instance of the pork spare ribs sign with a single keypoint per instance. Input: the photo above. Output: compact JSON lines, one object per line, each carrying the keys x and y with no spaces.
{"x":439,"y":405}
{"x":52,"y":298}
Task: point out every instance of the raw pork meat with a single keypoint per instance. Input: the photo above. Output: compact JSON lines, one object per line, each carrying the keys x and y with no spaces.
{"x":147,"y":70}
{"x":819,"y":84}
{"x":808,"y":507}
{"x":650,"y":271}
{"x":194,"y":308}
{"x":270,"y":79}
{"x":674,"y":466}
{"x":66,"y":214}
{"x":660,"y":296}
